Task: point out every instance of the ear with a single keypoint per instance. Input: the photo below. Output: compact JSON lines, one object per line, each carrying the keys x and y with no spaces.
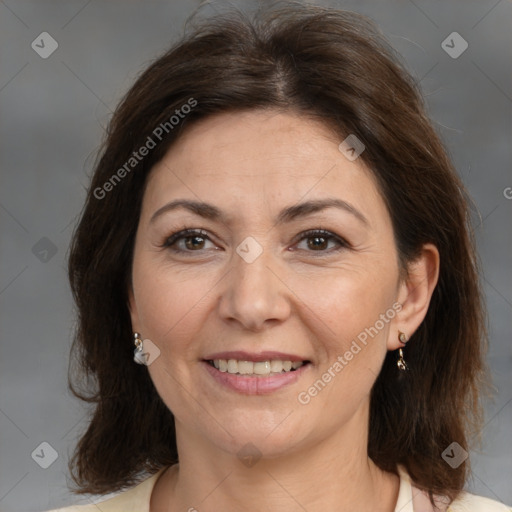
{"x":414,"y":294}
{"x":132,"y":307}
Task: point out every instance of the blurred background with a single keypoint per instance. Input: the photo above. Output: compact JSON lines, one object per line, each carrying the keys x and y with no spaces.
{"x":64,"y":67}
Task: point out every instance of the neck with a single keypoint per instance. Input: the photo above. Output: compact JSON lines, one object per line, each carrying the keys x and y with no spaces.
{"x":334,"y":474}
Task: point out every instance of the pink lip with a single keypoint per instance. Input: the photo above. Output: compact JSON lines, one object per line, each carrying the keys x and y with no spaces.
{"x":241,"y":355}
{"x":254,"y":385}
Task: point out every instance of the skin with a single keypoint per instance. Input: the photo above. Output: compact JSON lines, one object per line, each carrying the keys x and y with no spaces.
{"x":294,"y":298}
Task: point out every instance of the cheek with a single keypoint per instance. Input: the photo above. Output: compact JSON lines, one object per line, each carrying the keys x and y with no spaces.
{"x":171,"y":312}
{"x":169,"y":306}
{"x":352,"y":320}
{"x":348,"y":302}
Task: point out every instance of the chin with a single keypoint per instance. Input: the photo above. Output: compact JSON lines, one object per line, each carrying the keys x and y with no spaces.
{"x":255,"y":433}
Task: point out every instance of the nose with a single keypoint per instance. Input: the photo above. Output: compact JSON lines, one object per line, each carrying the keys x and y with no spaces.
{"x":254,"y":295}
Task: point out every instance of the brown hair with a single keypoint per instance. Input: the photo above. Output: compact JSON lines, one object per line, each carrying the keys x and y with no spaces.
{"x":329,"y":65}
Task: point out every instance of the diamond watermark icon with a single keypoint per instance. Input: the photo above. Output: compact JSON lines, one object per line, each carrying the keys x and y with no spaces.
{"x":351,"y":147}
{"x":454,"y":455}
{"x":45,"y":455}
{"x":249,"y":249}
{"x":454,"y":45}
{"x":149,"y":353}
{"x":249,"y":455}
{"x":44,"y":45}
{"x":44,"y":250}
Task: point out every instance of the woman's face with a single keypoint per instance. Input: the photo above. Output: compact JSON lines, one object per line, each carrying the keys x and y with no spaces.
{"x":258,"y":287}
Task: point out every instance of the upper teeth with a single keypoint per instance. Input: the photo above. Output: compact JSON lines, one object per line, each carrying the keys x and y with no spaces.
{"x":258,"y":368}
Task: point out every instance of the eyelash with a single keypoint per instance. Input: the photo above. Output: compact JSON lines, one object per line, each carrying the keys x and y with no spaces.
{"x":191,"y":233}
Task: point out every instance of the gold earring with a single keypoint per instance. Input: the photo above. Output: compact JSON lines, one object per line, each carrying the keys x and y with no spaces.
{"x":402,"y":365}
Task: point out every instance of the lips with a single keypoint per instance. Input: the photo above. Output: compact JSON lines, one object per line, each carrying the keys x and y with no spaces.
{"x":255,"y":374}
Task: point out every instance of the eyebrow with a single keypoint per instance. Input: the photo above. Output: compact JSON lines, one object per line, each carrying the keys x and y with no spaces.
{"x":209,"y":211}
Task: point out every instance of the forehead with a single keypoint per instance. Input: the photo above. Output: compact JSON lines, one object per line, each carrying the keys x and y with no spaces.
{"x":259,"y":157}
{"x":251,"y":137}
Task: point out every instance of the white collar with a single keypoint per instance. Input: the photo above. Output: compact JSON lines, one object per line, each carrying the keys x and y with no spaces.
{"x":412,"y":499}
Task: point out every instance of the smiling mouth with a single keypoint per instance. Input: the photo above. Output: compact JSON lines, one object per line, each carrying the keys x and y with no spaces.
{"x":256,"y":369}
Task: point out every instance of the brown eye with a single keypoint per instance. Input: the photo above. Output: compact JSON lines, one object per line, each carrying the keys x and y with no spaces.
{"x":187,"y":241}
{"x":194,"y":242}
{"x":321,"y":241}
{"x":317,"y":242}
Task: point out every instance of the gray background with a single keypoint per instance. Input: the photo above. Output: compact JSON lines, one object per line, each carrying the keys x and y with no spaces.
{"x":53,"y":112}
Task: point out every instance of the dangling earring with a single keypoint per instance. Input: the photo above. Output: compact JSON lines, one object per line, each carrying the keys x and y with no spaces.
{"x":402,"y":365}
{"x":138,"y":357}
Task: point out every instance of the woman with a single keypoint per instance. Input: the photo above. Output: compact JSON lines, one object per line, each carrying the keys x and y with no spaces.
{"x":275,"y":232}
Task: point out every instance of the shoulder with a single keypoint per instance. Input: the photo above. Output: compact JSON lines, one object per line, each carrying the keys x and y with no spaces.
{"x":467,"y":502}
{"x":121,"y":502}
{"x":136,"y":499}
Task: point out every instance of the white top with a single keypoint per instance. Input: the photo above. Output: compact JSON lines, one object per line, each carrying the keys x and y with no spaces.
{"x":410,"y":499}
